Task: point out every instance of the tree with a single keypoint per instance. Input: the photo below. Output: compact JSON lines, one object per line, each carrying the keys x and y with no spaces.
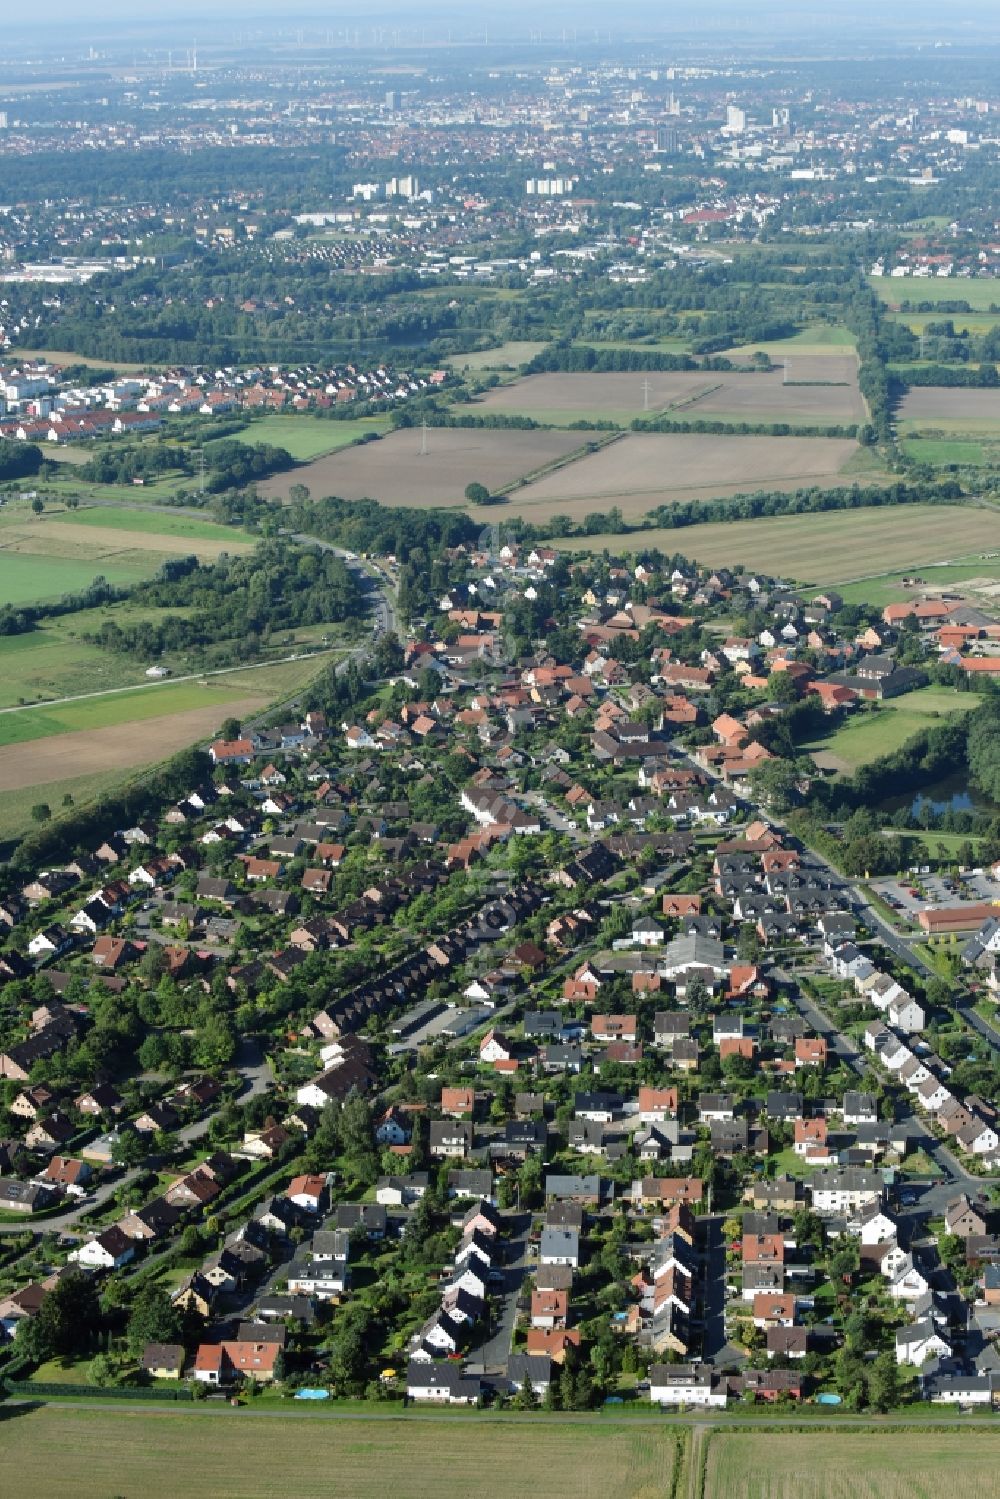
{"x":152,"y":1319}
{"x":325,"y":1143}
{"x":843,"y":1259}
{"x":129,"y":1149}
{"x":387,"y":657}
{"x":190,"y":1241}
{"x":357,"y":1138}
{"x":748,"y":948}
{"x":775,"y":783}
{"x":938,"y":994}
{"x":697,"y":996}
{"x":883,"y":1383}
{"x":477,"y":494}
{"x":70,"y":1316}
{"x":525,"y":1399}
{"x":781,"y":687}
{"x":849,"y":1373}
{"x":230,"y":728}
{"x":37,"y":505}
{"x":101,"y":1371}
{"x":215,"y":1044}
{"x":41,"y":812}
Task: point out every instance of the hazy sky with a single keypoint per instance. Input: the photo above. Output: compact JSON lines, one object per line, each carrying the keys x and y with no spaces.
{"x":915,"y":19}
{"x":658,"y":14}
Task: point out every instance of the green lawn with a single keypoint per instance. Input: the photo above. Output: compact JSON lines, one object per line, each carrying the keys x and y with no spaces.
{"x":62,"y":1371}
{"x":119,"y":708}
{"x":873,"y":732}
{"x":787,"y":1163}
{"x":981,"y":294}
{"x":28,"y":579}
{"x":926,"y":844}
{"x":307,"y":436}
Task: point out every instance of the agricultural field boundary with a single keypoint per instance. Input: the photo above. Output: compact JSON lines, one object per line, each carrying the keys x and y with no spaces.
{"x":587,"y":450}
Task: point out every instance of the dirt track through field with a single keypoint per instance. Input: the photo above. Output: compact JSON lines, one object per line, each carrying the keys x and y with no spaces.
{"x":117,"y":747}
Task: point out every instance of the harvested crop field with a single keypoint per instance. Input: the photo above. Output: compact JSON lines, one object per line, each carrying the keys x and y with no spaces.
{"x":946,"y":405}
{"x":644,"y":470}
{"x":117,"y":746}
{"x":829,"y":547}
{"x":852,"y":1464}
{"x":394,"y":471}
{"x":145,"y":1454}
{"x":752,"y":396}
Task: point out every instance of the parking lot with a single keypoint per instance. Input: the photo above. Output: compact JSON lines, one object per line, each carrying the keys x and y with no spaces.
{"x":914,"y":894}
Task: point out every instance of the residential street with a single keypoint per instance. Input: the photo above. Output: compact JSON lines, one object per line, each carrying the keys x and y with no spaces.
{"x":493,"y":1354}
{"x":256,"y":1074}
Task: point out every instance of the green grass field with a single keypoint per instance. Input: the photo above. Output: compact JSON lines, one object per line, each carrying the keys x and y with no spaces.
{"x":508,"y":356}
{"x":138,"y":1453}
{"x":871,"y":733}
{"x":963,"y":322}
{"x":54,"y":660}
{"x":307,"y":436}
{"x":940,"y":450}
{"x":817,"y":338}
{"x":888,"y":589}
{"x":852,"y":1464}
{"x":29,"y":579}
{"x":62,"y":551}
{"x":15,"y":806}
{"x":45,"y":664}
{"x":68,"y":482}
{"x":154,"y":523}
{"x":120,"y":708}
{"x":981,"y":294}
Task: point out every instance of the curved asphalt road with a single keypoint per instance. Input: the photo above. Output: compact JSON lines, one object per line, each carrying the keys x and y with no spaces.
{"x":256,"y":1075}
